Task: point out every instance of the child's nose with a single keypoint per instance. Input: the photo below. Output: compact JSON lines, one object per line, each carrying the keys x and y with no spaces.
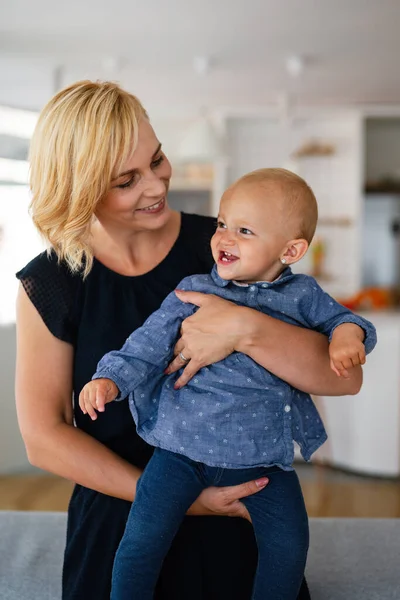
{"x":229,"y":237}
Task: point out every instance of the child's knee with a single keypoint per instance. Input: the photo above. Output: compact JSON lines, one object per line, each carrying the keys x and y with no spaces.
{"x":291,"y":548}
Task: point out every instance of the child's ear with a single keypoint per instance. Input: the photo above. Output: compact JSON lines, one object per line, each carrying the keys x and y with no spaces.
{"x":294,"y":251}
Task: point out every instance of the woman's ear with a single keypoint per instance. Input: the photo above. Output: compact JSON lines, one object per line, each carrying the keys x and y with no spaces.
{"x":294,"y":251}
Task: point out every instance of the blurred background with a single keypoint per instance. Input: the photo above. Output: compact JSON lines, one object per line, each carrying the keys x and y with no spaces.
{"x":231,"y":86}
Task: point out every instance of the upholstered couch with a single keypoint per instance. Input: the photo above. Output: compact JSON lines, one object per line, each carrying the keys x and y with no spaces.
{"x":349,"y":559}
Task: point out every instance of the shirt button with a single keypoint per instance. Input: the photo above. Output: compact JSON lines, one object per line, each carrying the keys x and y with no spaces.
{"x":252,"y":288}
{"x":287,"y":408}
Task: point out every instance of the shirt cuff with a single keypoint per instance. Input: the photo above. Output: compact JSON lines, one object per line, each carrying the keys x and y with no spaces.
{"x":123,"y":392}
{"x":369,"y":330}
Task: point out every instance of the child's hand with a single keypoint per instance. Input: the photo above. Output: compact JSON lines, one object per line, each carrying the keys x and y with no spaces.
{"x":95,"y":395}
{"x":346,"y":349}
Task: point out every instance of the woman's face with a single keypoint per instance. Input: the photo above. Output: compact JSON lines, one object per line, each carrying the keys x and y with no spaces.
{"x":137,"y":198}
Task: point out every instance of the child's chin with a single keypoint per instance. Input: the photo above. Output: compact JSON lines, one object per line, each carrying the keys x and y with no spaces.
{"x":223,"y":274}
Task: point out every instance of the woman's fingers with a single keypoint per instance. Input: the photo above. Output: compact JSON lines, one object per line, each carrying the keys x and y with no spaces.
{"x":177,"y":363}
{"x":190,"y":371}
{"x":196,"y":298}
{"x":226,"y":500}
{"x":238,"y":509}
{"x":234,"y":493}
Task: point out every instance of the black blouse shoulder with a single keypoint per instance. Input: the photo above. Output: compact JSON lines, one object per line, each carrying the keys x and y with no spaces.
{"x":53,"y":290}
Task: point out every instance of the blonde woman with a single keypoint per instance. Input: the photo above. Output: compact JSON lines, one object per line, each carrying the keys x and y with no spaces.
{"x":99,"y":182}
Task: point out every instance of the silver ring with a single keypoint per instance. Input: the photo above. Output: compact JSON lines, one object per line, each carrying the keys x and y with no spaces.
{"x":182,"y":357}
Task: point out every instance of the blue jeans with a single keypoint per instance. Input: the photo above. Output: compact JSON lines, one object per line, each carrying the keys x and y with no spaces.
{"x":170,"y":484}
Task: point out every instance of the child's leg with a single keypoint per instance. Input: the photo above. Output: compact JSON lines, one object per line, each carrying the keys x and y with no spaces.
{"x":168,"y":486}
{"x":280,"y":524}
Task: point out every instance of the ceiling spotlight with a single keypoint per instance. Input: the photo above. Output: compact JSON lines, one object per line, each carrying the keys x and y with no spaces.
{"x":295,"y":65}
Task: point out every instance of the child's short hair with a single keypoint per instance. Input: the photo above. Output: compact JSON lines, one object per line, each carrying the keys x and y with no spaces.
{"x":300,"y":202}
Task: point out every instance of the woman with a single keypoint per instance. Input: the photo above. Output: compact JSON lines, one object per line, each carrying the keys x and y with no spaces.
{"x":99,"y":182}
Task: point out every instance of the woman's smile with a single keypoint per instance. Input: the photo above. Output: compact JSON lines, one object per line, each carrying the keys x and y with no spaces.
{"x":153,"y":208}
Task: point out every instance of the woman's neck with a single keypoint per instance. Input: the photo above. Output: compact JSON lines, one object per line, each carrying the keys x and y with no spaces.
{"x":134,"y":252}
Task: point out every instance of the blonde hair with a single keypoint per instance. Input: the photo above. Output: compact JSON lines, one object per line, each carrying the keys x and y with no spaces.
{"x":83,"y":136}
{"x":299,"y":199}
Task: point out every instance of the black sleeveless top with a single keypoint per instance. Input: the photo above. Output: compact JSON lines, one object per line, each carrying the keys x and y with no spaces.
{"x":97,"y":314}
{"x":212,"y":558}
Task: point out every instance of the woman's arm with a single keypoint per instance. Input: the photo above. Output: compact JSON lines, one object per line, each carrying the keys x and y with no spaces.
{"x":44,"y":408}
{"x":298,"y":356}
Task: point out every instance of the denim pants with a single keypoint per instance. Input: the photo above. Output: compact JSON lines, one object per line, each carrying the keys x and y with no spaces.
{"x":169,"y":486}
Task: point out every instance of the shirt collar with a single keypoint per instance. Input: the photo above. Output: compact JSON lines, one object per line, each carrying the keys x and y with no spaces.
{"x":285,"y":276}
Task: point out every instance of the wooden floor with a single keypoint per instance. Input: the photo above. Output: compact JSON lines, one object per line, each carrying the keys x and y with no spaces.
{"x":328,"y":493}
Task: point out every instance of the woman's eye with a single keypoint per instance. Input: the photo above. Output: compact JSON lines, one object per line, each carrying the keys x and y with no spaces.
{"x":128,"y":184}
{"x":221,"y":225}
{"x":157,"y":162}
{"x":245,"y":231}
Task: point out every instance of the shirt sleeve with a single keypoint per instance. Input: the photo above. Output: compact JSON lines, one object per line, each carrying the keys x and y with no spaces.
{"x":149,"y":348}
{"x":53,"y":291}
{"x":325,"y":314}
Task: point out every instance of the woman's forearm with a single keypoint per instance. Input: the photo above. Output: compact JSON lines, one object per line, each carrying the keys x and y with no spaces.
{"x":72,"y":454}
{"x":298,"y":356}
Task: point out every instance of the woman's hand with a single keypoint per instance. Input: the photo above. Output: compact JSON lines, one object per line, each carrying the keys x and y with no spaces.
{"x":225,"y":501}
{"x":207,"y":337}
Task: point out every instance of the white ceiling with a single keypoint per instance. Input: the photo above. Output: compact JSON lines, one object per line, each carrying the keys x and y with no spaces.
{"x":352,"y":47}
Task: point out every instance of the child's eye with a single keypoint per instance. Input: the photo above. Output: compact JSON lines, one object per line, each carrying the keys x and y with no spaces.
{"x":221,"y":225}
{"x":245,"y":231}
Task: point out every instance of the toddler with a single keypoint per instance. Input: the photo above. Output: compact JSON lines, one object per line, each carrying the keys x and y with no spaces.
{"x":234,"y":421}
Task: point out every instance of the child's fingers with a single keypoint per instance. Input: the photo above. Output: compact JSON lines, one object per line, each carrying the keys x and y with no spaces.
{"x":361,"y":356}
{"x":354,"y":359}
{"x":347,"y":363}
{"x":101,"y":398}
{"x":334,"y":368}
{"x":82,"y":401}
{"x":344,"y":373}
{"x":87,"y":401}
{"x":90,"y":409}
{"x":341,"y":369}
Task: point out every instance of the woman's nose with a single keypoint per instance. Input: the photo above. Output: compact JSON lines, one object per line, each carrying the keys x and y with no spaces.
{"x":153,"y":185}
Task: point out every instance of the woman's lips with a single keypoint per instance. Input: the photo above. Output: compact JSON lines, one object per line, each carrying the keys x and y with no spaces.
{"x":153,"y":208}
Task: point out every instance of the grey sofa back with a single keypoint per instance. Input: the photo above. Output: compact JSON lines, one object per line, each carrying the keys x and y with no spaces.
{"x":349,"y":559}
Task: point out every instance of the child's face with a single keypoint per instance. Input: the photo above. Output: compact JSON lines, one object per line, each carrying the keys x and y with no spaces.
{"x":252,"y":233}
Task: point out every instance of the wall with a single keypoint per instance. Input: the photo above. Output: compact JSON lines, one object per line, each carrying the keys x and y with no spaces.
{"x":25,"y":83}
{"x":18,"y":244}
{"x":382,"y":148}
{"x":265,"y":141}
{"x":12,"y":451}
{"x":381,"y":247}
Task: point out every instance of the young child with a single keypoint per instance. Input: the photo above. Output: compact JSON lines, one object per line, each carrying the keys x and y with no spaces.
{"x":234,"y":421}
